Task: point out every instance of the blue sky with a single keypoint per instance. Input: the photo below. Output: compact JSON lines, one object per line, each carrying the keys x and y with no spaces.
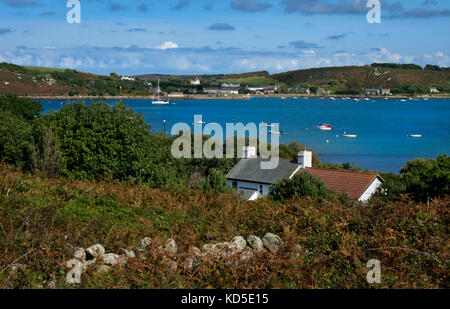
{"x":226,"y":36}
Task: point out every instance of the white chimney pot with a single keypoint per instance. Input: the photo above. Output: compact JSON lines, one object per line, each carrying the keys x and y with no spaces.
{"x":305,"y":159}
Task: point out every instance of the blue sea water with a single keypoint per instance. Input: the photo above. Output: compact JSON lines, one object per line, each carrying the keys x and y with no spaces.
{"x":382,"y":126}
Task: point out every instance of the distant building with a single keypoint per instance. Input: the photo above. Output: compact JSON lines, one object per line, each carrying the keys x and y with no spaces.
{"x":301,"y":90}
{"x":211,"y":90}
{"x":322,"y":91}
{"x":127,"y":78}
{"x":195,"y":81}
{"x":434,"y":90}
{"x":386,"y":91}
{"x":262,"y":89}
{"x":371,"y":92}
{"x":230,"y":85}
{"x":252,"y":182}
{"x":221,"y":91}
{"x":176,"y":95}
{"x":229,"y":90}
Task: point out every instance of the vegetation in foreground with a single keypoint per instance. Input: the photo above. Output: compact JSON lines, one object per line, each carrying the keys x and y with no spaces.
{"x":42,"y":219}
{"x":80,"y":176}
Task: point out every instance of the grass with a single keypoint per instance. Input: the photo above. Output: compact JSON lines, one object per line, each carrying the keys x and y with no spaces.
{"x":49,"y":70}
{"x":255,"y":81}
{"x":42,"y":218}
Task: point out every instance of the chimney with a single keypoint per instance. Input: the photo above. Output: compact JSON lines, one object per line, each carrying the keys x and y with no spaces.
{"x":248,"y":152}
{"x":305,"y":159}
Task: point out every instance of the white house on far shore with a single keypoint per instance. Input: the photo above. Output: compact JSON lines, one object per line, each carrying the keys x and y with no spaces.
{"x":252,"y":182}
{"x":434,"y":90}
{"x":195,"y":81}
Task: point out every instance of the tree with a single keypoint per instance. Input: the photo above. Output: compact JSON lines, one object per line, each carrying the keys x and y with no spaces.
{"x":15,"y":138}
{"x":99,"y":140}
{"x":427,"y":178}
{"x":302,"y":184}
{"x":21,"y":107}
{"x":430,"y":67}
{"x":216,"y":181}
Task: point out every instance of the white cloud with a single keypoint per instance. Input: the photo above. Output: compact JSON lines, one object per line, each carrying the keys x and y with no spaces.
{"x":168,"y":45}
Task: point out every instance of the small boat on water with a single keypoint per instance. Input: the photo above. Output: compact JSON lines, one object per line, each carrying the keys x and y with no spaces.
{"x":158,"y":100}
{"x":350,"y":135}
{"x":325,"y":127}
{"x":262,"y":124}
{"x":332,"y":99}
{"x":415,"y":135}
{"x":276,"y":132}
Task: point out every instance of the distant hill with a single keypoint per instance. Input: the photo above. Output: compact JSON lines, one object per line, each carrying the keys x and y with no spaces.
{"x":165,"y":77}
{"x":375,"y":76}
{"x":20,"y":80}
{"x":400,"y":78}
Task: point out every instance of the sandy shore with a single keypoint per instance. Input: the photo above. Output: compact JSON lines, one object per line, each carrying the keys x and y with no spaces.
{"x":206,"y":97}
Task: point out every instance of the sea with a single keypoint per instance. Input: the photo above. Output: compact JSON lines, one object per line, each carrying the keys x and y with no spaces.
{"x":382,"y":126}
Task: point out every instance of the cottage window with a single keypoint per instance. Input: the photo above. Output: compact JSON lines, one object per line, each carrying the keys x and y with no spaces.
{"x":261,"y":189}
{"x":234,"y":184}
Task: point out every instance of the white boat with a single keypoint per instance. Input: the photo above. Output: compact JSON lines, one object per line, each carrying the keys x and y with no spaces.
{"x":158,"y":100}
{"x":262,"y":124}
{"x":415,"y":135}
{"x":325,"y":127}
{"x":332,"y":99}
{"x":366,"y":99}
{"x":276,"y":132}
{"x":350,"y":135}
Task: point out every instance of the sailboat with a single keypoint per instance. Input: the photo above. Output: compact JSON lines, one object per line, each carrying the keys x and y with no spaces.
{"x":159,"y":101}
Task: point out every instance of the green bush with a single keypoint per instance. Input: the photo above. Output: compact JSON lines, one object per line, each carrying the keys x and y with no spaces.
{"x":98,"y":140}
{"x":21,"y":107}
{"x":215,"y":181}
{"x":427,"y":178}
{"x":392,"y":187}
{"x":302,"y":184}
{"x":15,"y":138}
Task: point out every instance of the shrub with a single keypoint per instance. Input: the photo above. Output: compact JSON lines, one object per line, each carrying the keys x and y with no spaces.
{"x":15,"y":138}
{"x":392,"y":187}
{"x":99,"y":140}
{"x":46,"y":155}
{"x":21,"y":107}
{"x":427,"y":178}
{"x":302,"y":184}
{"x":215,"y":181}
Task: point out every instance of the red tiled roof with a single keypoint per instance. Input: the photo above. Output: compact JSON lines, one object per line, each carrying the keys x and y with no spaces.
{"x":352,"y":183}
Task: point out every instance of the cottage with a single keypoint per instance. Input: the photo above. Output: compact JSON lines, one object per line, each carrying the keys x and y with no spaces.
{"x":211,"y":90}
{"x":230,"y":85}
{"x":322,"y":91}
{"x":434,"y":90}
{"x":253,"y":182}
{"x":229,"y":90}
{"x":195,"y":82}
{"x":262,"y":89}
{"x":386,"y":91}
{"x":127,"y":78}
{"x":176,"y":95}
{"x":371,"y":91}
{"x":301,"y":90}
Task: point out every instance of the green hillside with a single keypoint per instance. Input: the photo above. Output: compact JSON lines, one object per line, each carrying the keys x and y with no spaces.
{"x":407,"y":79}
{"x":349,"y":79}
{"x":22,"y":80}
